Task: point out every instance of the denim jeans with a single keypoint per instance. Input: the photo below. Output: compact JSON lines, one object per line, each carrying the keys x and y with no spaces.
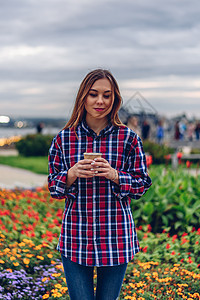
{"x":80,"y":281}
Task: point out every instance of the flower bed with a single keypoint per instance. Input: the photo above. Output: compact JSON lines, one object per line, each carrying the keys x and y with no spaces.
{"x":30,"y":268}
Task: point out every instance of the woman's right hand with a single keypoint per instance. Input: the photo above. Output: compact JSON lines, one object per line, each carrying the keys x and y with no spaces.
{"x":83,"y":169}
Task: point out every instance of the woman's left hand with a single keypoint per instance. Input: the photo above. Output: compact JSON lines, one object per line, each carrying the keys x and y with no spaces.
{"x":103,"y":168}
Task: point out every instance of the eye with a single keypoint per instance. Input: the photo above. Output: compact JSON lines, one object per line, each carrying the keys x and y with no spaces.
{"x":93,"y":95}
{"x":107,"y":96}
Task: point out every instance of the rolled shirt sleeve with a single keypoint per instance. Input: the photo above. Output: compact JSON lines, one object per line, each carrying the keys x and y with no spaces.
{"x":135,"y":181}
{"x":58,"y":172}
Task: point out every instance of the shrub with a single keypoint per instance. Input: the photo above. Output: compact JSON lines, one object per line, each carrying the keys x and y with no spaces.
{"x":34,"y":145}
{"x":172,"y":201}
{"x":157,"y":151}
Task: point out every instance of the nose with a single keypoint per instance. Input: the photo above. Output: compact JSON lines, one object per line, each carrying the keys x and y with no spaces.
{"x":100,"y":99}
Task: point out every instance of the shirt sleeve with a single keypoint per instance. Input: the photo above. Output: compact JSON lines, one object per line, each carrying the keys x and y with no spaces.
{"x":135,"y":181}
{"x":58,"y":172}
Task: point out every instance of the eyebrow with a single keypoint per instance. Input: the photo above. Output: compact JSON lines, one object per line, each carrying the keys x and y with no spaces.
{"x":108,"y":91}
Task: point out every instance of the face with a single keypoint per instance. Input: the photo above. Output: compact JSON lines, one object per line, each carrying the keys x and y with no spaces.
{"x":100,"y":100}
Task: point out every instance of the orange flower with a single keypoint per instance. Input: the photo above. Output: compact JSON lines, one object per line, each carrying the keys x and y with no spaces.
{"x":26,"y":261}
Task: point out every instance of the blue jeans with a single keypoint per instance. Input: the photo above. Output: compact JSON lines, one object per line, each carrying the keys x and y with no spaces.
{"x":80,"y":281}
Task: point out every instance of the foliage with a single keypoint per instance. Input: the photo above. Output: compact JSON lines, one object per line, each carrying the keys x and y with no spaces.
{"x":37,"y":164}
{"x":195,"y":151}
{"x":30,"y":267}
{"x":34,"y":145}
{"x":172,"y":201}
{"x":157,"y":151}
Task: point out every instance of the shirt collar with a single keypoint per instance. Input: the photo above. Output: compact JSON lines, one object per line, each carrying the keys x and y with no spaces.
{"x":107,"y":130}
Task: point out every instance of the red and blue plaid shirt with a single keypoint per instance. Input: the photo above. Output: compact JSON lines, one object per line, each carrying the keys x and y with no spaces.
{"x":97,"y":226}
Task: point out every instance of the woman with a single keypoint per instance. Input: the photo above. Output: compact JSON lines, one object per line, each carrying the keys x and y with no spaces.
{"x":97,"y":227}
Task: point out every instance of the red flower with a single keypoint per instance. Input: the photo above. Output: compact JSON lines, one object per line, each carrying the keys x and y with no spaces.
{"x":190,"y":260}
{"x":167,"y":157}
{"x":51,"y":225}
{"x":145,"y":249}
{"x":168,"y":246}
{"x":173,"y":253}
{"x":48,"y":215}
{"x":184,"y":234}
{"x":184,"y":241}
{"x":59,"y":213}
{"x":149,"y":160}
{"x":149,"y":228}
{"x":179,"y":155}
{"x":188,"y":163}
{"x":182,"y":260}
{"x":174,"y":237}
{"x":164,"y":230}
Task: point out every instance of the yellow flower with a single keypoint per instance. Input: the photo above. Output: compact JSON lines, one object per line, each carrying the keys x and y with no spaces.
{"x":53,"y":262}
{"x":38,"y":247}
{"x":45,"y":279}
{"x":2,"y":262}
{"x":30,"y":255}
{"x":45,"y":296}
{"x":49,"y":255}
{"x":56,"y":274}
{"x":58,"y":286}
{"x":26,"y":261}
{"x":12,"y":258}
{"x":9,"y":270}
{"x":57,"y":295}
{"x":6,"y":250}
{"x":40,"y":257}
{"x":64,"y":289}
{"x":16,"y":264}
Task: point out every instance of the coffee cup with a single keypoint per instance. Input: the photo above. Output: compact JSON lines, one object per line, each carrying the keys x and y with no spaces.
{"x":92,"y":155}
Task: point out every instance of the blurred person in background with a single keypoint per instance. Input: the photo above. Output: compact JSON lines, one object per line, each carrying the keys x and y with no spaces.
{"x":197,"y":131}
{"x":160,"y":132}
{"x":145,"y":130}
{"x":132,"y":123}
{"x":182,"y":129}
{"x":177,"y":131}
{"x":190,"y":131}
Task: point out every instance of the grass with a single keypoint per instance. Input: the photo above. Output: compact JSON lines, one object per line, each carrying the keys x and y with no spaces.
{"x":36,"y":164}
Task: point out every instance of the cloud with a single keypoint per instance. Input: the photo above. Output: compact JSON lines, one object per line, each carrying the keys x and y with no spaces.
{"x":48,"y":46}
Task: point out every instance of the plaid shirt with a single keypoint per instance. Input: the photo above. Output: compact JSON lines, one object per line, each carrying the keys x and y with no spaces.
{"x":97,"y":226}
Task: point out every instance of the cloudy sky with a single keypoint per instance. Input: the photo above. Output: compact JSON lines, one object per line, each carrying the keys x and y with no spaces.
{"x":48,"y":46}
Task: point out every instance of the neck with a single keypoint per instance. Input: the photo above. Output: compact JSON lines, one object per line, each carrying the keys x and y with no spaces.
{"x":97,"y":125}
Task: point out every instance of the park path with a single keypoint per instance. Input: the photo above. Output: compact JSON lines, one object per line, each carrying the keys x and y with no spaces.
{"x":11,"y":178}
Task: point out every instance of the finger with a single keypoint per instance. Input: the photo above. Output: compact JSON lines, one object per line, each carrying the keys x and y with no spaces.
{"x":101,"y":174}
{"x":100,"y":159}
{"x":85,"y":174}
{"x":100,"y":164}
{"x":85,"y":161}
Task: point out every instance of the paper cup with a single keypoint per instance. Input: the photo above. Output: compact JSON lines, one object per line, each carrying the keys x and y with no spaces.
{"x":92,"y":155}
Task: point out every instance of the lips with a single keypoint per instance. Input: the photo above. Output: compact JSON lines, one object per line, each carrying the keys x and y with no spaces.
{"x":99,"y":109}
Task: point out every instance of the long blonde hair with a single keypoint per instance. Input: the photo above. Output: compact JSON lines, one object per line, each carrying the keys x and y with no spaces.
{"x":86,"y":84}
